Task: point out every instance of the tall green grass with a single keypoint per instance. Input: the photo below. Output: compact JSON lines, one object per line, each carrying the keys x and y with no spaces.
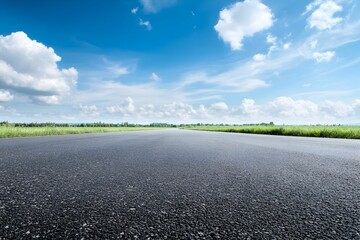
{"x":11,"y":131}
{"x":352,"y":132}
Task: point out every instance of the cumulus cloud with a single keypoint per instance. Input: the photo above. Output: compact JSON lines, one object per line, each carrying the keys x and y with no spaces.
{"x":5,"y":96}
{"x":126,"y":107}
{"x":281,"y":110}
{"x":154,"y":6}
{"x":29,"y":67}
{"x":356,"y":104}
{"x":89,"y":110}
{"x":288,"y":107}
{"x":154,"y":77}
{"x":309,"y":111}
{"x":149,"y":110}
{"x":312,"y":5}
{"x":51,"y":100}
{"x":243,"y":19}
{"x":323,"y":56}
{"x":203,"y":112}
{"x":337,"y":108}
{"x":248,"y":107}
{"x":220,"y":106}
{"x":147,"y":24}
{"x":174,"y":111}
{"x":271,"y":39}
{"x":178,"y":110}
{"x":323,"y":17}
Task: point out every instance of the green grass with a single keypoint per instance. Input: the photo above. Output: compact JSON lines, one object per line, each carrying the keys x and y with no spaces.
{"x":352,"y":132}
{"x":10,"y":131}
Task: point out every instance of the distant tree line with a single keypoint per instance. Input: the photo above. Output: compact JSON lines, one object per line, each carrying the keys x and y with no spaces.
{"x":123,"y":124}
{"x":126,"y":124}
{"x":224,"y":124}
{"x":96,"y":124}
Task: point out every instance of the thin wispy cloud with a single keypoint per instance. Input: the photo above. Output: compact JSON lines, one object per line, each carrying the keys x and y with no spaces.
{"x":119,"y":71}
{"x":146,"y":24}
{"x":154,"y":6}
{"x":134,"y":10}
{"x":154,"y":77}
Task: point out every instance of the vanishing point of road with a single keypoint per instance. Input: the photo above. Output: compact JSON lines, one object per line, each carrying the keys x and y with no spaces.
{"x":179,"y":184}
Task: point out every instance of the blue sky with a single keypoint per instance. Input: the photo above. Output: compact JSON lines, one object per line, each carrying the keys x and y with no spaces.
{"x":180,"y":61}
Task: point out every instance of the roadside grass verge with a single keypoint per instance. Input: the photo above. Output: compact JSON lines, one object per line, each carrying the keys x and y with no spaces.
{"x":351,"y":132}
{"x":11,"y":131}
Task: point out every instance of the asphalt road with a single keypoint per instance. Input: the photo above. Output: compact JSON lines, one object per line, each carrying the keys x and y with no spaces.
{"x":179,"y":184}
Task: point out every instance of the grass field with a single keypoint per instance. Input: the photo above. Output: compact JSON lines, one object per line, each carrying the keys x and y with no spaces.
{"x":10,"y":131}
{"x":352,"y":132}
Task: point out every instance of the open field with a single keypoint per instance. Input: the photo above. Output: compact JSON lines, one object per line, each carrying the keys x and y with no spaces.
{"x":11,"y":131}
{"x":352,"y":132}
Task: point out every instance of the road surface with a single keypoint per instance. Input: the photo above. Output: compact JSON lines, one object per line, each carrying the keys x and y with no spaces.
{"x":179,"y":184}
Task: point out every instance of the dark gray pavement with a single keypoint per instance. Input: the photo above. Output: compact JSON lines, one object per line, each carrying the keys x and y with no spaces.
{"x":179,"y":184}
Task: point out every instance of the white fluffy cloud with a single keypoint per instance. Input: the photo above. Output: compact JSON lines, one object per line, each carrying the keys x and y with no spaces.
{"x":29,"y":67}
{"x":280,"y":110}
{"x":356,"y":104}
{"x":89,"y":110}
{"x":308,"y":111}
{"x":248,"y":107}
{"x":338,"y":109}
{"x":243,"y":19}
{"x":51,"y":100}
{"x":153,"y":6}
{"x":178,"y":110}
{"x":271,"y":39}
{"x":323,"y":56}
{"x":5,"y":96}
{"x":127,"y":107}
{"x":220,"y":106}
{"x":323,"y":17}
{"x":288,"y":107}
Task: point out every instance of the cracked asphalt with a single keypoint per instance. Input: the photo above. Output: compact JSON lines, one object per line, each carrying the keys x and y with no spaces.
{"x":179,"y":184}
